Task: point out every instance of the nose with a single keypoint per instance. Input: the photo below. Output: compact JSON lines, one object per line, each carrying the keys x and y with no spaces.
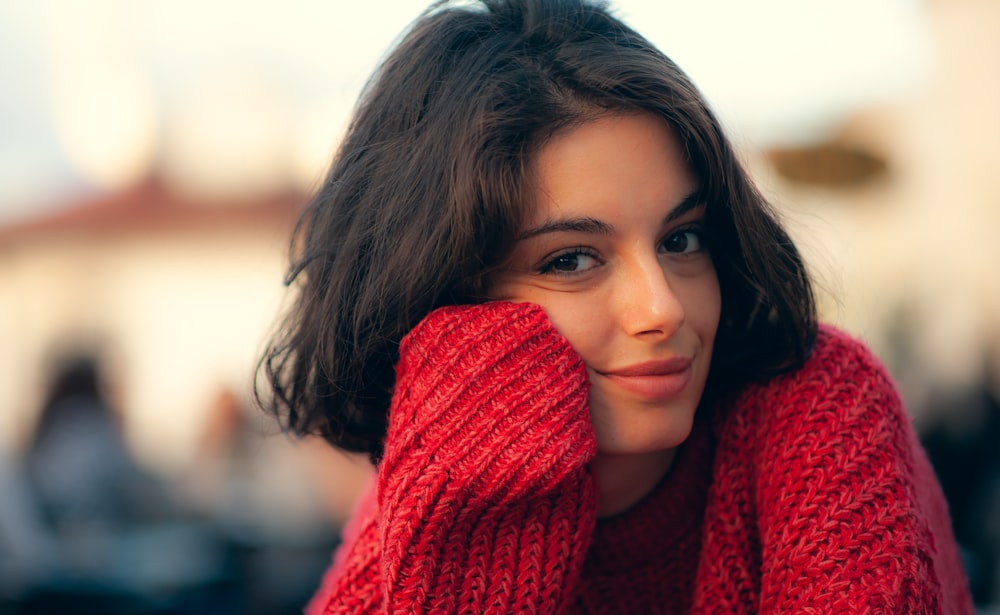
{"x":647,"y":303}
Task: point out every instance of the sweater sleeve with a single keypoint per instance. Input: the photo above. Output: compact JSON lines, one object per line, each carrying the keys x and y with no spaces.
{"x":851,"y":517}
{"x":483,"y":503}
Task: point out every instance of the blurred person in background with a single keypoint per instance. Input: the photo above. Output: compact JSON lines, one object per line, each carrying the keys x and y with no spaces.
{"x":277,"y":530}
{"x":540,"y":291}
{"x":86,"y":482}
{"x":29,"y":551}
{"x":113,"y":537}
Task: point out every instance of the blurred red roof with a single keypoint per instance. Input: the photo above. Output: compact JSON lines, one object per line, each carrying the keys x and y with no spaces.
{"x":152,"y":207}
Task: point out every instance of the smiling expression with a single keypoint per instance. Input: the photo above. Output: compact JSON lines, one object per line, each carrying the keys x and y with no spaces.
{"x":616,"y":252}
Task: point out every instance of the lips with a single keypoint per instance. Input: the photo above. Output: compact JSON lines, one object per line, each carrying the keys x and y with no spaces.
{"x":653,"y":380}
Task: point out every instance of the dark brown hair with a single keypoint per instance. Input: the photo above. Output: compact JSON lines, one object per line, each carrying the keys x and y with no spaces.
{"x":428,"y":187}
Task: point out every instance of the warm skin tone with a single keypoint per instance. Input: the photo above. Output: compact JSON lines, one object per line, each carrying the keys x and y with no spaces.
{"x":616,"y":253}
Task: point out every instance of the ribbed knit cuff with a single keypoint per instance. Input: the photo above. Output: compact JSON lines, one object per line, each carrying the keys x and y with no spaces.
{"x":493,"y":389}
{"x":484,"y":493}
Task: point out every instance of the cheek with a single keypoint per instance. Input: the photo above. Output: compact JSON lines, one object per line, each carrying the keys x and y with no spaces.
{"x":576,"y":315}
{"x":578,"y":318}
{"x":704,"y":307}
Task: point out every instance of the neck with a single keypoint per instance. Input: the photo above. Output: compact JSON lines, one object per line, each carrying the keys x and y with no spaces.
{"x":623,"y":480}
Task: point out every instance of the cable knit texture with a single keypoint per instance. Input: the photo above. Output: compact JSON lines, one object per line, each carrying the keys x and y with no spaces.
{"x":808,"y":493}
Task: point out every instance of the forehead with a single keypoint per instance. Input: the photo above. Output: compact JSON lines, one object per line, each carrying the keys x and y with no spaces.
{"x":614,"y":161}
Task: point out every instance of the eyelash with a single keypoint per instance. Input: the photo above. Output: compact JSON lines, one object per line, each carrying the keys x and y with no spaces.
{"x":548,"y":266}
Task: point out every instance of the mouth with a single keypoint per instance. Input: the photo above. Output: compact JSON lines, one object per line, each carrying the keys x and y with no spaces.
{"x":653,"y":380}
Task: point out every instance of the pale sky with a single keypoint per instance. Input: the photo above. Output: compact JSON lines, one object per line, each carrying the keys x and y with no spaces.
{"x":95,"y":91}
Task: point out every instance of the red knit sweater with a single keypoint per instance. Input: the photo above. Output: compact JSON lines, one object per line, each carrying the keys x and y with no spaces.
{"x":805,"y":494}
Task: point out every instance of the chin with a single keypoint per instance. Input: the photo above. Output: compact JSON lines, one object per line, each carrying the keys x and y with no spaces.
{"x":643,"y":436}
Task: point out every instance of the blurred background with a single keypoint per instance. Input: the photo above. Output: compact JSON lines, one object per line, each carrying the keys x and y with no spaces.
{"x":154,"y":155}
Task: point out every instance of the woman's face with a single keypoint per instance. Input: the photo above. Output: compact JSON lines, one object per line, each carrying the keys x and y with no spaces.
{"x":616,"y":253}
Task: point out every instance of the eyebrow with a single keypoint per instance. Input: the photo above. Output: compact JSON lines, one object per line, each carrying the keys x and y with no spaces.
{"x":597,"y":227}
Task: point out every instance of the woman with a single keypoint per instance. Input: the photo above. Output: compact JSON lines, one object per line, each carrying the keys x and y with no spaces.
{"x":539,"y":290}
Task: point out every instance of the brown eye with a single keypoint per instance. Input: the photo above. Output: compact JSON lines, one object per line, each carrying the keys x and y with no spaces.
{"x":574,"y":261}
{"x":566,"y":262}
{"x":684,"y":241}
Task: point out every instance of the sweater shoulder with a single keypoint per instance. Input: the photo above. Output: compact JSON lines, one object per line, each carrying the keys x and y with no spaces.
{"x":839,"y":357}
{"x":825,"y":461}
{"x":842,"y":387}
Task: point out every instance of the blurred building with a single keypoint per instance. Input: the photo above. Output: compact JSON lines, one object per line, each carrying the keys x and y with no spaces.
{"x":171,"y":295}
{"x":178,"y":294}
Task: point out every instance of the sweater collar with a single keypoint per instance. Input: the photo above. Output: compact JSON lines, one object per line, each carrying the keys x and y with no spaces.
{"x":671,"y":510}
